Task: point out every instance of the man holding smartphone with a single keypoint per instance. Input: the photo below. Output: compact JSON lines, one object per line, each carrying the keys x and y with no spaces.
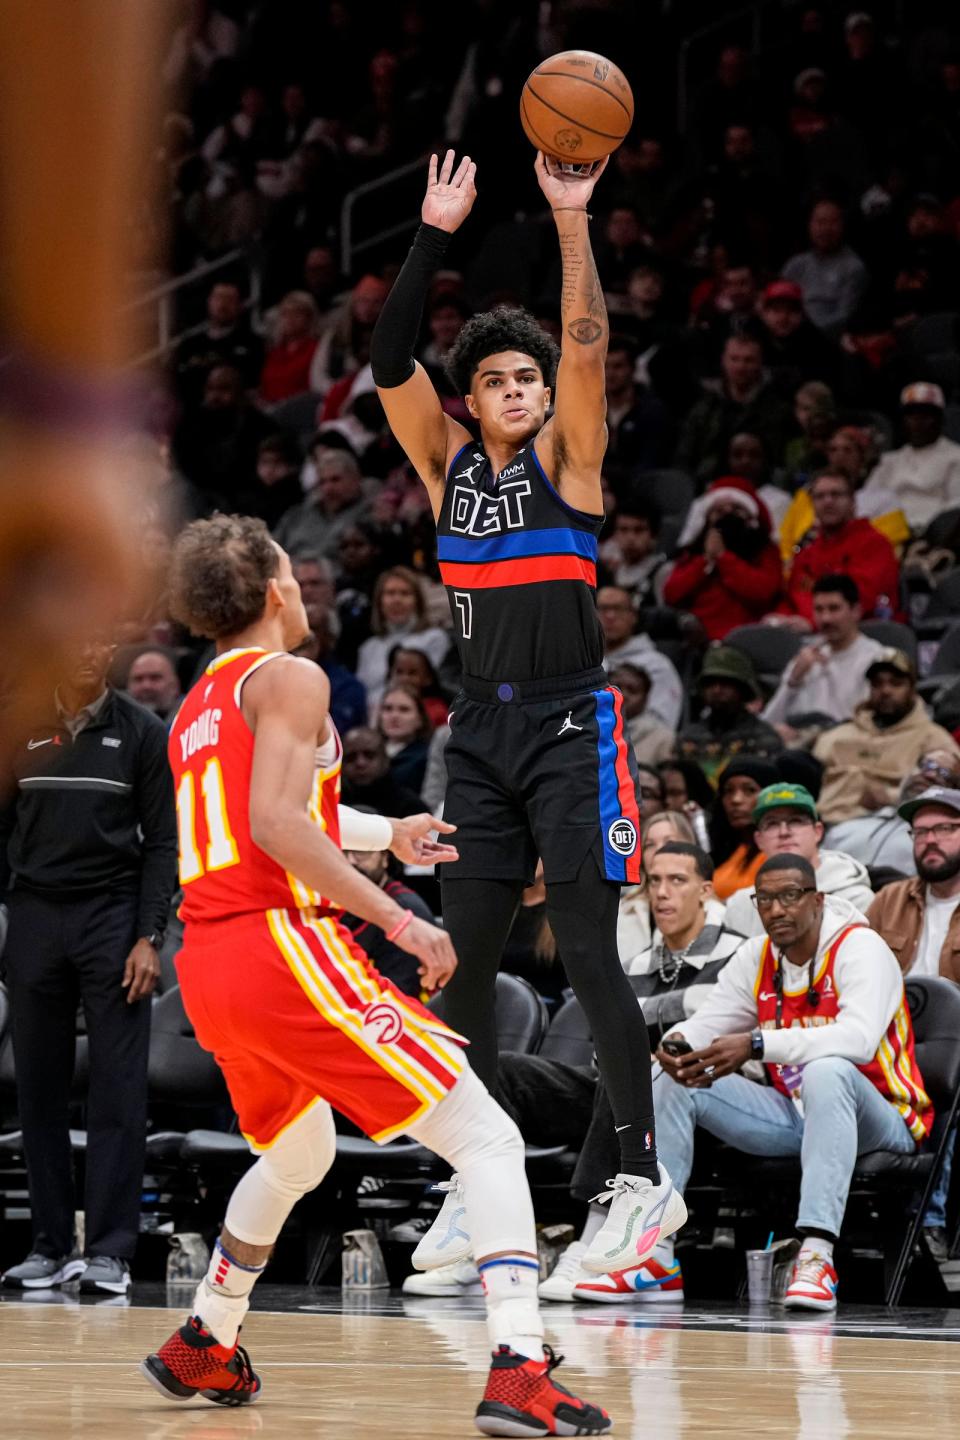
{"x":819,"y":999}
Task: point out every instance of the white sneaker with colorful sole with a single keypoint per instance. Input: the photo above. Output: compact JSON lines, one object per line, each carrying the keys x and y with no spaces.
{"x":641,"y":1215}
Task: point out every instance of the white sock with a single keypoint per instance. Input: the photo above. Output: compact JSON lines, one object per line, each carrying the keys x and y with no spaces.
{"x":663,"y":1252}
{"x":223,"y":1295}
{"x":596,"y":1214}
{"x":513,"y":1315}
{"x":816,"y":1245}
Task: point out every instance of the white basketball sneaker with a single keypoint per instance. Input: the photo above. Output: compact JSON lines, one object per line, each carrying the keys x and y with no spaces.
{"x":448,"y":1239}
{"x":641,"y":1215}
{"x":565,"y":1274}
{"x":463,"y":1278}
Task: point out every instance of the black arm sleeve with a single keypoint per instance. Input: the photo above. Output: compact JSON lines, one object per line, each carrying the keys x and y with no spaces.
{"x":395,"y":333}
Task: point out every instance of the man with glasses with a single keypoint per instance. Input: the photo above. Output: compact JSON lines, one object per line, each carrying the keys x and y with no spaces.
{"x":882,"y":839}
{"x":920,"y":921}
{"x":819,"y":999}
{"x":788,"y":824}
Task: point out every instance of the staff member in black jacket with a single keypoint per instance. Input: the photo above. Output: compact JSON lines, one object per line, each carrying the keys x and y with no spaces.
{"x":88,"y":854}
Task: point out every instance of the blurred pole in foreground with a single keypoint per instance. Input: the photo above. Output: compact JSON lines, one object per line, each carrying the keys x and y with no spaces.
{"x":77,"y":127}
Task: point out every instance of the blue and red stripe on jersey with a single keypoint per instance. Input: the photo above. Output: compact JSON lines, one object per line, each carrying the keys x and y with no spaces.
{"x":523,"y":557}
{"x":618,"y":792}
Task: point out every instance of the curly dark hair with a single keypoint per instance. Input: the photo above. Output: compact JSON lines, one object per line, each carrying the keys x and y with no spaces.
{"x":503,"y":328}
{"x":219,"y":574}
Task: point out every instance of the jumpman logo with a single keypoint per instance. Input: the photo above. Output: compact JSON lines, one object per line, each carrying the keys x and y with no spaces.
{"x":568,"y":724}
{"x":454,"y":1231}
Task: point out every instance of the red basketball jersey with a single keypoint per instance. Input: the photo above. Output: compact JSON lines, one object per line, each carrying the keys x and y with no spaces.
{"x":222,"y":871}
{"x":893,"y":1070}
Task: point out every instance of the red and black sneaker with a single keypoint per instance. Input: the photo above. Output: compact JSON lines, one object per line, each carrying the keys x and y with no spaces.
{"x":522,"y":1399}
{"x":193,"y":1363}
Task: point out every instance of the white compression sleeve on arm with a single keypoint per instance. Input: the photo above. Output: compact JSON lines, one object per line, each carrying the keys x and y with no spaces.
{"x":364,"y":832}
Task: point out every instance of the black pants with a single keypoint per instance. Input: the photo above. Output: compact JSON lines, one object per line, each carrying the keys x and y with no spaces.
{"x":557,"y":1104}
{"x":58,"y":953}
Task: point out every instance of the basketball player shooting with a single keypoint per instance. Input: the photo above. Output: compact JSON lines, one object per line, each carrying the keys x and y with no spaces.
{"x":537,"y":762}
{"x":296,"y":1016}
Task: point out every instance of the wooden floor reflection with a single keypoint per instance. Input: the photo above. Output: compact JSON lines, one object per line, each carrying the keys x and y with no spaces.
{"x":70,"y":1371}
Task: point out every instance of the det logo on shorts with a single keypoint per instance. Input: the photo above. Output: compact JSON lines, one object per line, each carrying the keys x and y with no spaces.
{"x":385,"y":1022}
{"x":622,"y":836}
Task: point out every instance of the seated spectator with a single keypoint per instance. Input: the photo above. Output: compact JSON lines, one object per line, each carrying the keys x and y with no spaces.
{"x":633,"y":918}
{"x":367,"y":779}
{"x":733,"y":839}
{"x":403,"y":722}
{"x":618,"y":620}
{"x":286,"y":369}
{"x":882,"y":839}
{"x":554,"y":1103}
{"x":398,"y":612}
{"x":277,"y":488}
{"x":688,"y":792}
{"x":924,"y":473}
{"x":919,"y":918}
{"x":851,"y":451}
{"x":743,"y":399}
{"x":787,"y":823}
{"x":819,"y":999}
{"x":726,"y":728}
{"x":217,"y":445}
{"x":651,"y":741}
{"x":831,"y":277}
{"x":344,"y":345}
{"x":640,"y":435}
{"x":335,"y":503}
{"x":649,"y":790}
{"x":747,"y":459}
{"x":816,"y":416}
{"x":866,"y":758}
{"x":920,"y":921}
{"x":729,"y":571}
{"x":842,"y":544}
{"x":411,"y":666}
{"x":829,"y":676}
{"x":794,"y":350}
{"x":531,"y":948}
{"x":224,"y":339}
{"x":348,"y":699}
{"x":386,"y":956}
{"x":728,"y":311}
{"x":631,"y":553}
{"x":153,"y":682}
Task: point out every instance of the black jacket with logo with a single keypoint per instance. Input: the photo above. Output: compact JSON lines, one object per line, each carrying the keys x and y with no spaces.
{"x":95,"y":812}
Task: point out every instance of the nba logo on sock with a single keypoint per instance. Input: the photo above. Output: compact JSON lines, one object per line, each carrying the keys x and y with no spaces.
{"x":647,"y":1140}
{"x":622,"y":835}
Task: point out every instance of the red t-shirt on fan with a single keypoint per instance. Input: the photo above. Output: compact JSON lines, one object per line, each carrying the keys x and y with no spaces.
{"x":222,"y":871}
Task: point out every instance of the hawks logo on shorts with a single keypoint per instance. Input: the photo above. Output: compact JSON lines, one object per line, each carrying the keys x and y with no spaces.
{"x":384,"y":1022}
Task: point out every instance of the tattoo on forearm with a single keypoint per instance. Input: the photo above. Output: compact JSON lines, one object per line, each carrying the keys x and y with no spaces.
{"x":582,"y":305}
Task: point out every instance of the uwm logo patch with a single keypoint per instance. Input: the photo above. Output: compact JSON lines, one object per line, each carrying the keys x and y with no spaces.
{"x":384,"y":1022}
{"x":474,"y":511}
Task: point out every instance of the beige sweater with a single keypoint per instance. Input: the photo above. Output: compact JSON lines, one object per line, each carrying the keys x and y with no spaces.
{"x":860,"y":754}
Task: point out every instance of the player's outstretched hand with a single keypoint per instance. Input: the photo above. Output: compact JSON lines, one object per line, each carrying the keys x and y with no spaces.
{"x":563,"y":189}
{"x":450,"y":196}
{"x":433,"y":948}
{"x":412,"y":843}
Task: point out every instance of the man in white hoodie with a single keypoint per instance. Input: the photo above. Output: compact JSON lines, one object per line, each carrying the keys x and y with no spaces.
{"x":788,"y":824}
{"x":820,"y":1000}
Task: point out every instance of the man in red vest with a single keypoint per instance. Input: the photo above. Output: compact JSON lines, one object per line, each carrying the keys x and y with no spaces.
{"x":819,"y":999}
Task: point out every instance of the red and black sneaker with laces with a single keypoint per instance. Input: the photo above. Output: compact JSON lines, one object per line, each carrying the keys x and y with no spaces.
{"x":193,"y":1363}
{"x":521,"y":1398}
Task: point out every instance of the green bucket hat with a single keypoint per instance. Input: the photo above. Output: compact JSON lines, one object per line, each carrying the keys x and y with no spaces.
{"x":724,"y":662}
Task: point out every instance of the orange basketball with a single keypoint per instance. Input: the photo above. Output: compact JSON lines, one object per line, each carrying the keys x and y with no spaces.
{"x":576,"y":106}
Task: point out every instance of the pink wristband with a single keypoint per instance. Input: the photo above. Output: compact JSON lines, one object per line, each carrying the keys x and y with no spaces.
{"x":400,"y":926}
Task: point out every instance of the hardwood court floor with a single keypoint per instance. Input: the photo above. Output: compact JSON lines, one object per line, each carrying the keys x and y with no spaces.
{"x":371,"y":1370}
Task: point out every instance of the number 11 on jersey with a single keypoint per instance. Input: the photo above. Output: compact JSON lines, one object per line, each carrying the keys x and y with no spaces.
{"x":221,"y":850}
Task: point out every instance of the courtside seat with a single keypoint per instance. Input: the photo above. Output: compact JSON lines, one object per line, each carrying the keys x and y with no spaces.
{"x":897,"y":1186}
